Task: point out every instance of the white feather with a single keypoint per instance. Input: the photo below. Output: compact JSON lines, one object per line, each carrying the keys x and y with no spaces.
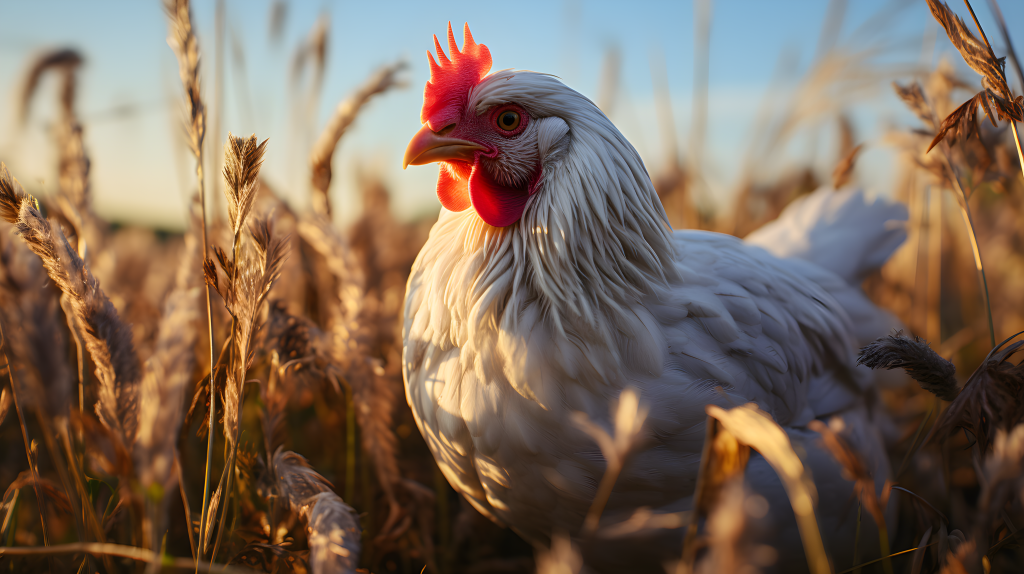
{"x":509,"y":330}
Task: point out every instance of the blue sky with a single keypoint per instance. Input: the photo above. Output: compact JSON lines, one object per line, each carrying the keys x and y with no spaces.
{"x":129,"y":90}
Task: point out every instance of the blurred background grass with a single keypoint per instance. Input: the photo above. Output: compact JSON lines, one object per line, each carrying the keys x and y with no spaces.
{"x":616,"y":53}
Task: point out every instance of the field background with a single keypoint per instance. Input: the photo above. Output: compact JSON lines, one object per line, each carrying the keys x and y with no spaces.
{"x":737,"y":108}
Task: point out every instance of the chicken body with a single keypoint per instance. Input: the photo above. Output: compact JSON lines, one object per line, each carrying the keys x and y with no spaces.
{"x":511,"y":329}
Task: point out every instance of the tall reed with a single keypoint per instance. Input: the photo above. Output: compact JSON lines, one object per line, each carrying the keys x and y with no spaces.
{"x":183,"y":42}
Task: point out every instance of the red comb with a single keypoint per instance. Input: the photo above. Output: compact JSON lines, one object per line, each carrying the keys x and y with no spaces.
{"x":449,"y":84}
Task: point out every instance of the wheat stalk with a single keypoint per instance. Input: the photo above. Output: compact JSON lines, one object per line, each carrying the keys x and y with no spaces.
{"x":244,"y":296}
{"x":123,"y":551}
{"x":185,"y":46}
{"x":108,"y":340}
{"x":323,"y":150}
{"x":914,"y":98}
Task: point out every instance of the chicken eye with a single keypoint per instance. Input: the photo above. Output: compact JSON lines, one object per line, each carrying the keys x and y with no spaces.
{"x":508,"y":120}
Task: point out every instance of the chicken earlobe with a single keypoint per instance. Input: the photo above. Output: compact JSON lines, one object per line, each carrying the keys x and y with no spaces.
{"x":452,"y":191}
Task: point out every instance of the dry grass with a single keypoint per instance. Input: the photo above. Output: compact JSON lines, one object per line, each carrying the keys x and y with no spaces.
{"x":301,"y":332}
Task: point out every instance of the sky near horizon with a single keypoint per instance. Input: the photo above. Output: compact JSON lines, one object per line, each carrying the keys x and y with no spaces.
{"x":129,"y":91}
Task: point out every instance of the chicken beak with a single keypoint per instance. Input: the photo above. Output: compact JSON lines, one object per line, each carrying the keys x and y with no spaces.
{"x":426,"y":147}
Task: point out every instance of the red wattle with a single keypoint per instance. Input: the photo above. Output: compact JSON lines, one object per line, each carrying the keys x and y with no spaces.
{"x":452,"y":190}
{"x":496,"y":204}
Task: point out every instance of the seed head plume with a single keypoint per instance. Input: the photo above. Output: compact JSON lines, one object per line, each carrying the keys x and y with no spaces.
{"x":332,"y":527}
{"x":935,"y":374}
{"x":312,"y":52}
{"x":275,"y":403}
{"x":242,"y":160}
{"x":183,"y":41}
{"x":108,"y":340}
{"x":913,"y":97}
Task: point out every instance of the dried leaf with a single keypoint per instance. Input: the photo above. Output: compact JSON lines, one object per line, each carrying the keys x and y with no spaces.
{"x":643,"y":519}
{"x":725,"y":532}
{"x":210,"y":273}
{"x":913,"y":97}
{"x":844,"y":169}
{"x":225,"y":261}
{"x":1006,"y":109}
{"x":961,"y":123}
{"x":855,"y":469}
{"x":727,"y":459}
{"x":629,"y":419}
{"x":5,"y":403}
{"x":54,"y":494}
{"x":563,"y":558}
{"x":756,"y":428}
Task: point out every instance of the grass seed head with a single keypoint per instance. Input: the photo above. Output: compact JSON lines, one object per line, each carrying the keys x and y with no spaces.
{"x":332,"y":529}
{"x":243,"y":158}
{"x":935,"y":374}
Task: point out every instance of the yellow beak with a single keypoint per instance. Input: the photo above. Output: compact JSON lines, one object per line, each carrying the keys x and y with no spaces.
{"x":426,"y":147}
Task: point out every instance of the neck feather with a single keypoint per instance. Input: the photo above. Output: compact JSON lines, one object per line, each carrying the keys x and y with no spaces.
{"x":592,"y":243}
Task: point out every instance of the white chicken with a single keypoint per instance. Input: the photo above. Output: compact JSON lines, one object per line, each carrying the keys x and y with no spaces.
{"x":552,"y":281}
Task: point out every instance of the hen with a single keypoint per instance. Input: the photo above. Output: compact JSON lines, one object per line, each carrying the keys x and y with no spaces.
{"x":552,"y":281}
